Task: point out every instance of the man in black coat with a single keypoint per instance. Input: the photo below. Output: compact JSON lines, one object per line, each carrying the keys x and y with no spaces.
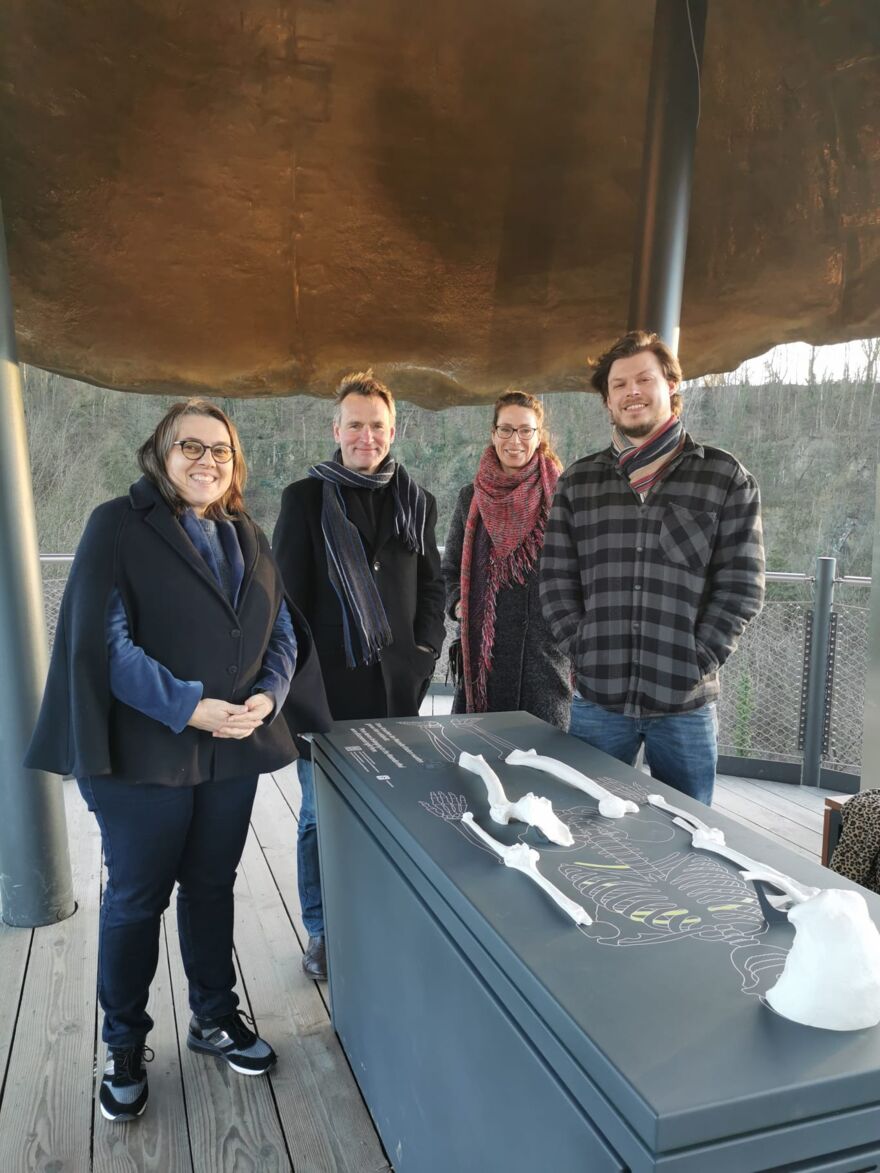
{"x":356,"y":546}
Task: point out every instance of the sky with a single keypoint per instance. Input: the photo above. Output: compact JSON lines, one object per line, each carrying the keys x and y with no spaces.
{"x":791,"y":362}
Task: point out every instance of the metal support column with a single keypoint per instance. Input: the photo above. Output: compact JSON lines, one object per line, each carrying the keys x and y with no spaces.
{"x":667,"y":168}
{"x":817,"y":680}
{"x":871,"y":737}
{"x":35,"y":881}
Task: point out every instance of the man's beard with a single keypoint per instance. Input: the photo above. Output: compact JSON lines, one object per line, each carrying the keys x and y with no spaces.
{"x":637,"y":431}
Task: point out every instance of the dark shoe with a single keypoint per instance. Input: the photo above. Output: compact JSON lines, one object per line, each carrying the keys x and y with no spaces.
{"x":124,"y":1090}
{"x":228,"y":1037}
{"x":314,"y":960}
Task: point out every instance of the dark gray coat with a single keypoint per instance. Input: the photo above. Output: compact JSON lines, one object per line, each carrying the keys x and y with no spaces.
{"x":528,"y":670}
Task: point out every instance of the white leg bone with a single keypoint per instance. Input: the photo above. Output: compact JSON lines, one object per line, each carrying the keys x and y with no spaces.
{"x":537,"y":812}
{"x":610,"y":805}
{"x":706,"y":838}
{"x":525,"y":859}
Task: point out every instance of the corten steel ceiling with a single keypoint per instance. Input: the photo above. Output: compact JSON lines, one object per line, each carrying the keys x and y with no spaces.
{"x":250,"y":198}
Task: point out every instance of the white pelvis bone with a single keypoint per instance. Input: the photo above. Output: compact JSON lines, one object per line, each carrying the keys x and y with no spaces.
{"x":525,"y":859}
{"x":610,"y":805}
{"x":831,"y":977}
{"x":537,"y":812}
{"x":832,"y":973}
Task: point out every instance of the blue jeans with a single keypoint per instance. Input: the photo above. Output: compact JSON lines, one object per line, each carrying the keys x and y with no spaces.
{"x":308,"y":874}
{"x":154,"y":836}
{"x":681,"y":749}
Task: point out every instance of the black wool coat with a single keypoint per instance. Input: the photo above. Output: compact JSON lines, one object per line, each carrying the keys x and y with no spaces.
{"x":181,"y":617}
{"x":410,"y":586}
{"x":529,"y":672}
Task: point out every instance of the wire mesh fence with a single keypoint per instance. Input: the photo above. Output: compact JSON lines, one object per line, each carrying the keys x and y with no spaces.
{"x":761,"y":684}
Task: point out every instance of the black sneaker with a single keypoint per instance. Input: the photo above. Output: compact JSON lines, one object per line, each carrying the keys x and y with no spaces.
{"x":228,"y":1037}
{"x":124,"y":1090}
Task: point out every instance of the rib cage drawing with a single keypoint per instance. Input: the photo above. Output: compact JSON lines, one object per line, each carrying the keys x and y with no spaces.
{"x":636,"y":900}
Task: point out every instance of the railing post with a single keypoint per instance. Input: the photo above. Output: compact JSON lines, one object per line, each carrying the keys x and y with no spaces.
{"x":817,"y":678}
{"x":871,"y":737}
{"x":35,"y":880}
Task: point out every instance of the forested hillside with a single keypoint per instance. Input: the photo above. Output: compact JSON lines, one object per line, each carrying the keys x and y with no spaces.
{"x":813,"y":448}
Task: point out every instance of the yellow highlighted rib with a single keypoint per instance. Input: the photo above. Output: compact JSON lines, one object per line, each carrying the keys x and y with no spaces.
{"x":724,"y":907}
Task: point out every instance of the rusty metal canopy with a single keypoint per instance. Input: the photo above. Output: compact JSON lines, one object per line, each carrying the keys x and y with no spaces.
{"x":250,"y":198}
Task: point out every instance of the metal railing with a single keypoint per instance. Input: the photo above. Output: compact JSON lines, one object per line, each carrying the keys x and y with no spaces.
{"x":765,"y":685}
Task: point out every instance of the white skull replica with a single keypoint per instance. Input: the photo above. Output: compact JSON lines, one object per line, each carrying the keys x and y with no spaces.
{"x":832,"y":973}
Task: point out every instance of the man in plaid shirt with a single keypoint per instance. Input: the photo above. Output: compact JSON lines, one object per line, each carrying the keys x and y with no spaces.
{"x":653,"y":564}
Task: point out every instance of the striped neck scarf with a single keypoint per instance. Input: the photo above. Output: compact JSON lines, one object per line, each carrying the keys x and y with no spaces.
{"x":513,"y":507}
{"x":364,"y":623}
{"x":644,"y":464}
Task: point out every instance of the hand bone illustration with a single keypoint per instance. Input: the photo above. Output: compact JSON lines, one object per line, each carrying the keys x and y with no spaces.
{"x":537,"y":812}
{"x":524,"y":859}
{"x":610,"y":805}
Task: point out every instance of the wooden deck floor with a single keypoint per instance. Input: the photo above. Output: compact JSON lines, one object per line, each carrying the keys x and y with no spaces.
{"x":202,"y":1118}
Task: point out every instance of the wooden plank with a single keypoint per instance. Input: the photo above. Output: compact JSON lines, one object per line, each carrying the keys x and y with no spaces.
{"x":811,"y":819}
{"x":233,"y":1122}
{"x":46,"y":1115}
{"x":326,"y":1123}
{"x":758,"y":818}
{"x":158,"y":1141}
{"x":809,"y":798}
{"x":15,"y":946}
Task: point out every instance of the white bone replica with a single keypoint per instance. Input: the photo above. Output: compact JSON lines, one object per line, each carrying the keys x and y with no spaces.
{"x":711,"y":839}
{"x":831,"y":977}
{"x":525,"y":859}
{"x":610,"y":805}
{"x":537,"y":812}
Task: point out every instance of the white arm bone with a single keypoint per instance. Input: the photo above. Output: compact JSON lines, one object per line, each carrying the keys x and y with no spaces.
{"x":706,"y":838}
{"x":525,"y":859}
{"x":537,"y":812}
{"x":610,"y":805}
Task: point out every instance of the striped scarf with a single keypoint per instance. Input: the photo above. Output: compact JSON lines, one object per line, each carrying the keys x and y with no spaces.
{"x":644,"y":464}
{"x":513,"y":507}
{"x":365,"y":625}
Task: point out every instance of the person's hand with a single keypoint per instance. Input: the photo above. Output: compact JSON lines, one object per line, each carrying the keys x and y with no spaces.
{"x":260,"y":703}
{"x":211,"y":715}
{"x":242,"y":724}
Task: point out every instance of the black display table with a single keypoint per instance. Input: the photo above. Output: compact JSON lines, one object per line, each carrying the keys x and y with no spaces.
{"x":490,"y":1034}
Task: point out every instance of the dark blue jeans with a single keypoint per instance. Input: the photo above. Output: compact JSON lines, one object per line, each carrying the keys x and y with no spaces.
{"x":308,"y":874}
{"x":680,"y":749}
{"x":154,"y":836}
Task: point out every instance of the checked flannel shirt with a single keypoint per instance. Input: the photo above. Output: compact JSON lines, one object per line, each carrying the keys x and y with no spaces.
{"x":649,"y":598}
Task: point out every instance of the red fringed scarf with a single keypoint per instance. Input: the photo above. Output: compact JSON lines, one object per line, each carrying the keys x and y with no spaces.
{"x":514,"y":507}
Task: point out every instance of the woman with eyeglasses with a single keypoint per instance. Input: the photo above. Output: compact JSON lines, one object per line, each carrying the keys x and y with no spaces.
{"x":174,"y":656}
{"x":508,"y":658}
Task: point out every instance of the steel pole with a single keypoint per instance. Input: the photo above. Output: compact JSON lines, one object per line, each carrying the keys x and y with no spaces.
{"x":871,"y":738}
{"x":35,"y":880}
{"x":823,"y":600}
{"x":668,"y":168}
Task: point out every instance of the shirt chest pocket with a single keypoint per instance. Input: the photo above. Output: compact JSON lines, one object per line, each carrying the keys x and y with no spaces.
{"x":687,"y":537}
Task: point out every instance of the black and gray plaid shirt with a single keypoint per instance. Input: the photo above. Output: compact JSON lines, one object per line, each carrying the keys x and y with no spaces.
{"x":649,"y":599}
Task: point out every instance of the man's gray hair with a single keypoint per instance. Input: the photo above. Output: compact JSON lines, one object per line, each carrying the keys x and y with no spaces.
{"x":362,"y":383}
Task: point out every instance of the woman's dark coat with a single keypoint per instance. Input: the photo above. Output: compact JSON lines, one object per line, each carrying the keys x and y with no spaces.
{"x":180,"y":616}
{"x":410,"y":586}
{"x":528,"y":670}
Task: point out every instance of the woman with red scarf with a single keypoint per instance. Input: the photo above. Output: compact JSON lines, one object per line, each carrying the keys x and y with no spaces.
{"x":509,"y":659}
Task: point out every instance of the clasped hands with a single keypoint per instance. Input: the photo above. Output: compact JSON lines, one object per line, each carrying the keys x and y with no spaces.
{"x":225,"y":719}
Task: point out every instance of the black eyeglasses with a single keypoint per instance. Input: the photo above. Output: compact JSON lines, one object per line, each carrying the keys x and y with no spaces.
{"x":195,"y":449}
{"x":505,"y":431}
